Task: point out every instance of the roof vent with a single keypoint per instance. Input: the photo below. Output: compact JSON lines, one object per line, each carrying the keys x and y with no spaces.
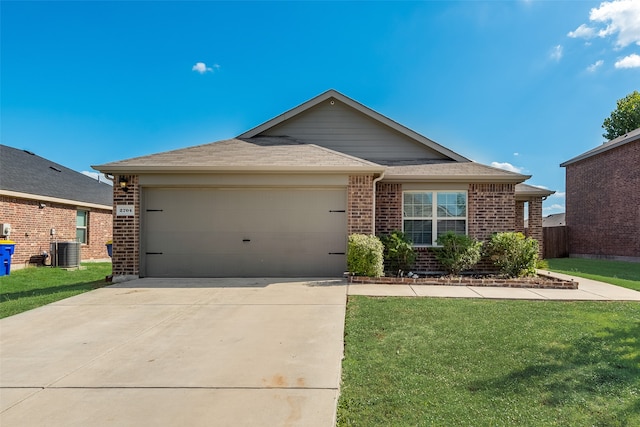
{"x":55,"y":168}
{"x":29,"y":152}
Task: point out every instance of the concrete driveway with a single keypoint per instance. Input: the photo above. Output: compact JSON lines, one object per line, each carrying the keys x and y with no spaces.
{"x":211,"y":352}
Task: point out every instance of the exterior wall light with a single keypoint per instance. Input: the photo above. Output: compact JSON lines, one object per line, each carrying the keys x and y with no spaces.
{"x":124,"y":183}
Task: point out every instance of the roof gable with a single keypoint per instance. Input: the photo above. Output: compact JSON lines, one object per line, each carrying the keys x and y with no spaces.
{"x":334,"y":121}
{"x":26,"y":173}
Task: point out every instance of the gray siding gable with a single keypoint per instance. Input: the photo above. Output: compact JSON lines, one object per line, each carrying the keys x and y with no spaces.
{"x":336,"y":122}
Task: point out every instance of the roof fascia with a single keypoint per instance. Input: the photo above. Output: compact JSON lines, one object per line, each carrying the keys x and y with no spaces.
{"x":29,"y":196}
{"x":603,"y":148}
{"x":237,"y":169}
{"x":332,"y":93}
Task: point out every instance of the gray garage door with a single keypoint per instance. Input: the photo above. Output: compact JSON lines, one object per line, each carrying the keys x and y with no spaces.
{"x":206,"y":232}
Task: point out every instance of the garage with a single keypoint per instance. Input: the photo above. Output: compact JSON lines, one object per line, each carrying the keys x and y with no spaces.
{"x":243,"y":232}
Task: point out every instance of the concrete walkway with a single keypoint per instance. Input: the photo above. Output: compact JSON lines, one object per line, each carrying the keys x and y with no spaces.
{"x":199,"y":352}
{"x":209,"y":352}
{"x":588,"y":290}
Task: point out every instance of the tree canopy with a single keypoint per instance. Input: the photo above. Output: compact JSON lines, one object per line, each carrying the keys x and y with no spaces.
{"x":625,"y":118}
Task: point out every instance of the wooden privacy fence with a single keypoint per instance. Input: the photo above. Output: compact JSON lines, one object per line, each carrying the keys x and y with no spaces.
{"x":556,"y":242}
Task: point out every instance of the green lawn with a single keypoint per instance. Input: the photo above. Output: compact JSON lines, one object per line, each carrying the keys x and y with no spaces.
{"x":459,"y":362}
{"x":620,"y":273}
{"x":29,"y":288}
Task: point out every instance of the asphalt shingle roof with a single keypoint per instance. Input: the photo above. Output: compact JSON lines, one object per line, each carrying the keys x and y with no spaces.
{"x":24,"y":172}
{"x":245,"y":154}
{"x":429,"y":169}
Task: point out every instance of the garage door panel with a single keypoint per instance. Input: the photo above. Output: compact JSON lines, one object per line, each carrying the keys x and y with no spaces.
{"x":254,"y":232}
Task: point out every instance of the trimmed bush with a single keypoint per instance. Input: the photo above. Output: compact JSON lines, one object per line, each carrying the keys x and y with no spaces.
{"x":364,"y":255}
{"x":514,"y":254}
{"x":398,"y":252}
{"x":457,"y":252}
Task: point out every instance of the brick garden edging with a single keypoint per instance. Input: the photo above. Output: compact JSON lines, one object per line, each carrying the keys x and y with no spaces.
{"x":540,"y":281}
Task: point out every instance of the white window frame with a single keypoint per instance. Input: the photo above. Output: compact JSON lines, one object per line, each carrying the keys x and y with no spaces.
{"x":85,"y":227}
{"x":434,"y":213}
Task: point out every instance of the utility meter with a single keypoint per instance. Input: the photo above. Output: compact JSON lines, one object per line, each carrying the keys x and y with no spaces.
{"x":5,"y":229}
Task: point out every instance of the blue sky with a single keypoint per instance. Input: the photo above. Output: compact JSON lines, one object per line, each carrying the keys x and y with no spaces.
{"x":524,"y":85}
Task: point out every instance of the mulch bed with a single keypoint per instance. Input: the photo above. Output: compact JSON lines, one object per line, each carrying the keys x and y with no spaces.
{"x":541,"y":281}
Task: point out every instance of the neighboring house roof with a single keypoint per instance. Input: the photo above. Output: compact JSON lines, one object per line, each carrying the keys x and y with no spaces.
{"x":553,"y":220}
{"x":634,"y":135}
{"x":329,"y":133}
{"x":246,"y":155}
{"x":524,"y":191}
{"x":24,"y":174}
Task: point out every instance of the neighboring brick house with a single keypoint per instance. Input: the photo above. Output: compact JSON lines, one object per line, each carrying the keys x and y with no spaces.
{"x":37,"y":195}
{"x":280,"y":199}
{"x":603,"y":200}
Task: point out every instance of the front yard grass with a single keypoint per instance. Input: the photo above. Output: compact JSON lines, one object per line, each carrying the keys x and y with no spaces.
{"x":620,"y":273}
{"x":458,"y":362}
{"x":29,"y":288}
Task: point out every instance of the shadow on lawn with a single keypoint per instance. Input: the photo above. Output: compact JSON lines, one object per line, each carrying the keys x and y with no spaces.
{"x":82,"y":286}
{"x":593,"y":369}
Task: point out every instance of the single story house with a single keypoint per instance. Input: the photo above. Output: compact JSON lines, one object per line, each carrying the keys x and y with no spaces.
{"x":281,"y":199}
{"x":603,"y":200}
{"x":43,"y":202}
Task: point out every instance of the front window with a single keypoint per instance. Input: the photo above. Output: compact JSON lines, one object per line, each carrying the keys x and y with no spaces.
{"x":429,"y":214}
{"x":82,"y":226}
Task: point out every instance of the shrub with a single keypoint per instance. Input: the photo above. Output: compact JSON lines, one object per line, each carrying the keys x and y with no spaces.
{"x":515,"y":254}
{"x":364,"y":255}
{"x":398,"y":252}
{"x":458,"y":252}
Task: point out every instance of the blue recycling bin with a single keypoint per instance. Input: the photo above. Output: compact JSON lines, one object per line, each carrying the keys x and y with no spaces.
{"x":7,"y":247}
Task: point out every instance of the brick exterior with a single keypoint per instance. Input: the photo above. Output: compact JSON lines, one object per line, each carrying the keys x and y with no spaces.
{"x":534,"y":230}
{"x":388,"y":207}
{"x":360,"y":204}
{"x":491,"y":208}
{"x":603,"y":203}
{"x":519,"y":216}
{"x":31,"y":226}
{"x":126,"y":230}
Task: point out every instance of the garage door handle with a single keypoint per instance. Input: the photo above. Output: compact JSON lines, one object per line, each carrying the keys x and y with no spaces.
{"x":337,"y":253}
{"x":338,"y":211}
{"x":246,"y":240}
{"x":154,"y":253}
{"x":155,"y":210}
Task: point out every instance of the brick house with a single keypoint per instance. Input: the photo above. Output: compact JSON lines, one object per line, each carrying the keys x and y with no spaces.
{"x":37,"y":195}
{"x":603,"y":200}
{"x":281,"y":199}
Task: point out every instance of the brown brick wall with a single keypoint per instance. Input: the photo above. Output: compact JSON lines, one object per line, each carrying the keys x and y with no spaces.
{"x":491,"y":208}
{"x":360,"y":204}
{"x":603,"y":203}
{"x":31,"y":226}
{"x":534,"y":230}
{"x":126,"y":230}
{"x":519,"y":216}
{"x":388,"y":207}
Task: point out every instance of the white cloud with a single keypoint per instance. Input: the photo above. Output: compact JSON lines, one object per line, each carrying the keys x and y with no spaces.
{"x":556,"y":53}
{"x":555,"y":208}
{"x":516,"y":154}
{"x":583,"y":32}
{"x":506,"y":166}
{"x":559,"y":194}
{"x":631,"y":61}
{"x":621,"y":19}
{"x":202,"y":68}
{"x":593,"y":67}
{"x":97,"y":176}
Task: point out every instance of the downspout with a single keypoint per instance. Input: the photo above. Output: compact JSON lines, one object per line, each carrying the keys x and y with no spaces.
{"x":373,"y":215}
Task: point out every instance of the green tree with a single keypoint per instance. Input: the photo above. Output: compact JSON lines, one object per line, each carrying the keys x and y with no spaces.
{"x":625,"y":118}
